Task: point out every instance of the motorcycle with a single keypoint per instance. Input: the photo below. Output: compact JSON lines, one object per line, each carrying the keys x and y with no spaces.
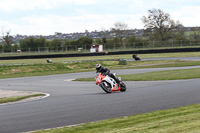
{"x":108,"y":84}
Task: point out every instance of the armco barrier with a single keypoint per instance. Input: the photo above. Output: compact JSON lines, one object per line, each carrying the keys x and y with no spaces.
{"x":51,"y":56}
{"x":103,"y":53}
{"x":151,"y":51}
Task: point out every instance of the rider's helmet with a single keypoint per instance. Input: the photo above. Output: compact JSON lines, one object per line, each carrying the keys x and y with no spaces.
{"x":98,"y":67}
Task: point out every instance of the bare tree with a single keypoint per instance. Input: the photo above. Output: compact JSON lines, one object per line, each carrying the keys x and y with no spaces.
{"x":120,"y":31}
{"x":7,"y":38}
{"x":159,"y":26}
{"x":104,"y":35}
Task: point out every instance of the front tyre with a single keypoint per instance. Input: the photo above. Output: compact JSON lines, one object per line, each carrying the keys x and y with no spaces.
{"x":106,"y":87}
{"x":123,"y":87}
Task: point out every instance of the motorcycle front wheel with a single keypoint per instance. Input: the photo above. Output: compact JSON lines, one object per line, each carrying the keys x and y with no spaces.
{"x":123,"y":87}
{"x":106,"y":87}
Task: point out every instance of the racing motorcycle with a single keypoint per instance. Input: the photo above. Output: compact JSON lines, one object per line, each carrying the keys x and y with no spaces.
{"x":108,"y":84}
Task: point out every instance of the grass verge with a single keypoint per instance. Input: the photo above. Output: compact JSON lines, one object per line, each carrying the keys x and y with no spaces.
{"x":178,"y":120}
{"x":13,"y":71}
{"x":14,"y":99}
{"x":164,"y":75}
{"x":159,"y":75}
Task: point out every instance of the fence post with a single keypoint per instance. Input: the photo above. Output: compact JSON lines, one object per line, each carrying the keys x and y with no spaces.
{"x":153,"y":44}
{"x":181,"y":43}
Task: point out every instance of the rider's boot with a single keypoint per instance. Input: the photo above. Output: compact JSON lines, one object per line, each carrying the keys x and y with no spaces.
{"x":116,"y":79}
{"x":118,"y":82}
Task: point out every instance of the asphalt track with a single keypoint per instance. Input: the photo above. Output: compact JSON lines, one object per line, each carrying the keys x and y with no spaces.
{"x":72,"y":103}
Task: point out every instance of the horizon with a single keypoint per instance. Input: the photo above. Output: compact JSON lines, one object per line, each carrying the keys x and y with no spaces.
{"x":85,"y":32}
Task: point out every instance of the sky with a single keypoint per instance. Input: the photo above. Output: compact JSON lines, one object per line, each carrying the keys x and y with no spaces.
{"x":45,"y":17}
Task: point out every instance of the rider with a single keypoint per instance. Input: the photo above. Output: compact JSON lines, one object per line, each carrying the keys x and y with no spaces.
{"x":106,"y":71}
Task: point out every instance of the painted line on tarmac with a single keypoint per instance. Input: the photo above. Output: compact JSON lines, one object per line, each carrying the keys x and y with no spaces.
{"x":69,"y":80}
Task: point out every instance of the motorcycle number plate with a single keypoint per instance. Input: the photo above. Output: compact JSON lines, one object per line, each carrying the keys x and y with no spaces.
{"x":116,"y":88}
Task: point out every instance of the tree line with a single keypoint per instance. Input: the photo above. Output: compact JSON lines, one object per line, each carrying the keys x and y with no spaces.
{"x":158,"y":26}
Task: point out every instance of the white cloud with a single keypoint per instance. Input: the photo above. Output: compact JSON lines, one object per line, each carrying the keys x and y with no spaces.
{"x":14,"y":5}
{"x":66,"y":24}
{"x":30,"y":17}
{"x":82,"y":2}
{"x":46,"y":25}
{"x":187,"y":15}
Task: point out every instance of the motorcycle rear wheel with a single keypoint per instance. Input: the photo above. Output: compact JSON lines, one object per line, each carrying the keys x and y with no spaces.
{"x":105,"y":87}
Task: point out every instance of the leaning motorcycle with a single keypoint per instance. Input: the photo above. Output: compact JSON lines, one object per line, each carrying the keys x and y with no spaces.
{"x":108,"y":84}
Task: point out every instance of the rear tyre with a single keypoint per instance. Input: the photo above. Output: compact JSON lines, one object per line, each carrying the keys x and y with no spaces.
{"x":106,"y":87}
{"x":123,"y":87}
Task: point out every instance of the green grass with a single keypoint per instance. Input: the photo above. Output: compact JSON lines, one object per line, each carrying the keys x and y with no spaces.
{"x":178,"y":120}
{"x":159,"y":75}
{"x":126,"y":56}
{"x":60,"y":60}
{"x":164,"y":75}
{"x":13,"y":71}
{"x":14,"y":99}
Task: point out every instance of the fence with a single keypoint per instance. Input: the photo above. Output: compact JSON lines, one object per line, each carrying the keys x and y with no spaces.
{"x":107,"y":47}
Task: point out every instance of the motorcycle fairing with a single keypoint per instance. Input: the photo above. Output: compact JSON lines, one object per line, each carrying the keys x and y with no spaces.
{"x":109,"y":80}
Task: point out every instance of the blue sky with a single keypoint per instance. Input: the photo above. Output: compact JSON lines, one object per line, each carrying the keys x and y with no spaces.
{"x":45,"y":17}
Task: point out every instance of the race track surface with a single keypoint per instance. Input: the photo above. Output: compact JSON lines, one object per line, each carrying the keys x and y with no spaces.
{"x":72,"y":103}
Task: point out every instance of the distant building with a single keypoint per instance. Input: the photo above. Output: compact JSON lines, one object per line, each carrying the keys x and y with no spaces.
{"x":94,"y":34}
